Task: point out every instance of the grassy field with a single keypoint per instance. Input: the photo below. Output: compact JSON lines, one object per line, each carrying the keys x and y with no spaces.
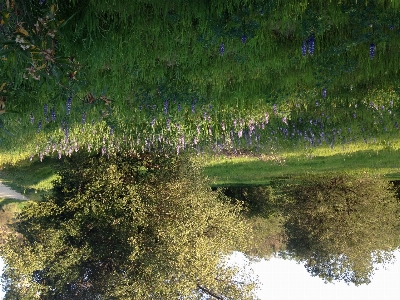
{"x":311,"y":87}
{"x":377,"y":159}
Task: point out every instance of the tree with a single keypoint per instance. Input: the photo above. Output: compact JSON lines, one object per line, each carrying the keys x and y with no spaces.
{"x":131,"y":226}
{"x":340,"y":225}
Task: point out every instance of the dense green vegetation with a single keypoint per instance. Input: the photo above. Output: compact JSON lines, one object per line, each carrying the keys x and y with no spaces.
{"x":126,"y":227}
{"x":269,"y":96}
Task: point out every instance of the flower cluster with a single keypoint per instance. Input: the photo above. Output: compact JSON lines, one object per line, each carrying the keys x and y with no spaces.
{"x":372,"y":49}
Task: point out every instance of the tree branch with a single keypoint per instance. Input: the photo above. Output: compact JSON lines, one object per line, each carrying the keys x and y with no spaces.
{"x":209,"y":292}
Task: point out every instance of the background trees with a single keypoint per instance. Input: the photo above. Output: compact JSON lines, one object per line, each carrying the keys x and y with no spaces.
{"x":340,"y":225}
{"x":126,"y":227}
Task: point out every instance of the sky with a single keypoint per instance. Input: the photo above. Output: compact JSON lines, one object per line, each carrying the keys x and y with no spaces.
{"x":284,"y":279}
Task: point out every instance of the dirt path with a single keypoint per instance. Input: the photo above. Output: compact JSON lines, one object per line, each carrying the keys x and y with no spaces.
{"x":6,"y":192}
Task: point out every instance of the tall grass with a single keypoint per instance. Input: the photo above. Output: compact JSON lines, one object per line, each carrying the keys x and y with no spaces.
{"x":171,"y":86}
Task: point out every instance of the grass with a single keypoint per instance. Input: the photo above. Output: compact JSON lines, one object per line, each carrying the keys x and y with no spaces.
{"x":377,"y":159}
{"x":177,"y":60}
{"x":31,"y":178}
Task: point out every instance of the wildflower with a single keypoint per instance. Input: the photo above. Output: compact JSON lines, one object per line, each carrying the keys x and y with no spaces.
{"x":198,"y":129}
{"x":111,"y":130}
{"x":316,"y":103}
{"x":53,"y":114}
{"x":40,"y":125}
{"x":354,"y":115}
{"x":69,"y":103}
{"x":168,"y":124}
{"x":284,"y":120}
{"x":311,"y":44}
{"x":84,"y":118}
{"x":222,"y":49}
{"x":275,"y":109}
{"x":165,"y":106}
{"x":324,"y":93}
{"x":304,"y":48}
{"x":153,"y":121}
{"x":42,"y":1}
{"x":244,"y":39}
{"x":266,"y":118}
{"x":179,"y":106}
{"x":45,"y":109}
{"x":223,"y":126}
{"x":372,"y":49}
{"x":391,"y":103}
{"x":32,"y":118}
{"x":103,"y":150}
{"x":193,"y":107}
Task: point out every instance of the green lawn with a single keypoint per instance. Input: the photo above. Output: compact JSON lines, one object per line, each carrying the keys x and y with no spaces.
{"x":378,"y":159}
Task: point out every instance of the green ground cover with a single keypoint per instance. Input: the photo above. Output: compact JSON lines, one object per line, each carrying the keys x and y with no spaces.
{"x":225,"y":77}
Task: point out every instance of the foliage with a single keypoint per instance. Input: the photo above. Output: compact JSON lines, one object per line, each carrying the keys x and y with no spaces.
{"x":339,"y":226}
{"x":130,"y":226}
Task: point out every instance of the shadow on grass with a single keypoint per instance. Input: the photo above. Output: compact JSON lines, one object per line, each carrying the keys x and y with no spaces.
{"x":33,"y":179}
{"x":233,"y":172}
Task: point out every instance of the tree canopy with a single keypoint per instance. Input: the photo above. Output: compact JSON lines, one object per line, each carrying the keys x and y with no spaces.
{"x":128,"y":226}
{"x":340,"y":225}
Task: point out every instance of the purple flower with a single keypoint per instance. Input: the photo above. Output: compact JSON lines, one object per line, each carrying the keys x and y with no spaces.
{"x":45,"y":109}
{"x":179,"y":106}
{"x":323,"y":93}
{"x":103,"y":150}
{"x":284,"y":120}
{"x":266,"y":118}
{"x":42,"y":1}
{"x":84,"y":118}
{"x":244,"y":39}
{"x":32,"y":118}
{"x":193,"y":107}
{"x":168,"y":124}
{"x":311,"y":44}
{"x":165,"y":106}
{"x":274,"y":109}
{"x":372,"y":49}
{"x":304,"y":48}
{"x":69,"y":103}
{"x":40,"y":125}
{"x":111,"y":130}
{"x":222,"y":49}
{"x":53,"y":114}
